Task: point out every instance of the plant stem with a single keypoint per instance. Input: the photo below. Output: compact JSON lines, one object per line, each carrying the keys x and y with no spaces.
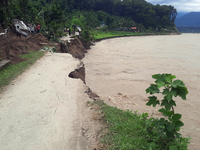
{"x":173,"y":109}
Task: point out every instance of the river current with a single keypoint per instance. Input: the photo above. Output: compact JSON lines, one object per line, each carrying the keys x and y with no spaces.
{"x":120,"y":69}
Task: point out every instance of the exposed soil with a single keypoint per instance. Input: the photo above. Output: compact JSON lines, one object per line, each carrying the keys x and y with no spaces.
{"x":78,"y":74}
{"x":91,"y":94}
{"x":11,"y":46}
{"x":76,"y":48}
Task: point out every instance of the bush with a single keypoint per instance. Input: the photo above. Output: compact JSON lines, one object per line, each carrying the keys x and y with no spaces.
{"x":171,"y":124}
{"x":103,"y":28}
{"x":86,"y":35}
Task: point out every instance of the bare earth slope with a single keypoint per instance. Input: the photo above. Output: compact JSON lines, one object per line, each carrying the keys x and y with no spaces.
{"x":44,"y":109}
{"x":119,"y":70}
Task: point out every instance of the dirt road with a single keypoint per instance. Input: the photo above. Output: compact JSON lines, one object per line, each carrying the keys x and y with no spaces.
{"x":44,"y":109}
{"x":119,"y":70}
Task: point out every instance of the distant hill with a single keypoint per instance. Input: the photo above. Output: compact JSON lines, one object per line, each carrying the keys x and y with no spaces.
{"x":180,"y":15}
{"x":191,"y":19}
{"x":189,"y":29}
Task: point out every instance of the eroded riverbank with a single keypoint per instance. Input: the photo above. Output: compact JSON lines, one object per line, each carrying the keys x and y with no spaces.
{"x":45,"y":109}
{"x":119,"y":70}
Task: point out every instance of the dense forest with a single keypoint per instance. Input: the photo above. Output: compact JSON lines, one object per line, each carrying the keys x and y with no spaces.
{"x":58,"y":14}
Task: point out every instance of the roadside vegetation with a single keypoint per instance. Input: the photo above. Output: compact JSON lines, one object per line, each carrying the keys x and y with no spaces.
{"x":125,"y":130}
{"x":10,"y":72}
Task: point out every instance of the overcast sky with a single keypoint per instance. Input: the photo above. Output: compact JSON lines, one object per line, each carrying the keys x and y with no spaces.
{"x":180,"y":5}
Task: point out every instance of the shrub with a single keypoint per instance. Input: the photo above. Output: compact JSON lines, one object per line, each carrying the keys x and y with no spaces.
{"x":171,"y":124}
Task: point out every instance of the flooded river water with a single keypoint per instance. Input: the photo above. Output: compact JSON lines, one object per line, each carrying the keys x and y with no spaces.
{"x":119,"y":70}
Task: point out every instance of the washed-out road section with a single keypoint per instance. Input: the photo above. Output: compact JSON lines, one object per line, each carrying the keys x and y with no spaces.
{"x":44,"y":109}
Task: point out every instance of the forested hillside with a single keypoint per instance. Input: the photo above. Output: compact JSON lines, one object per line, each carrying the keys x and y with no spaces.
{"x":57,"y":14}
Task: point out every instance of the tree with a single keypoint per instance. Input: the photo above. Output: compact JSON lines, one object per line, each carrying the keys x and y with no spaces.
{"x":165,"y":21}
{"x":5,"y":12}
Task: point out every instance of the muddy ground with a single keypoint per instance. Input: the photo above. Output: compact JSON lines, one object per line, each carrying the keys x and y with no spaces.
{"x":11,"y":46}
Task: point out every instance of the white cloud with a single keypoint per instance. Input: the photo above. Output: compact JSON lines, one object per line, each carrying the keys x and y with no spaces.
{"x":180,"y":5}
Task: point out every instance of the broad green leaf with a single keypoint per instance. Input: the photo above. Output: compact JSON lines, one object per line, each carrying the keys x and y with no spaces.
{"x":169,"y":113}
{"x":152,"y":89}
{"x":173,"y":147}
{"x":166,"y":78}
{"x":169,"y":78}
{"x":178,"y":124}
{"x":178,"y":135}
{"x":169,"y":94}
{"x":173,"y":92}
{"x":177,"y":83}
{"x":162,"y":121}
{"x":170,"y":134}
{"x":152,"y":101}
{"x":165,"y":92}
{"x":168,"y":97}
{"x":160,"y":84}
{"x":163,"y":111}
{"x":177,"y":128}
{"x":158,"y":77}
{"x":170,"y":126}
{"x":176,"y":117}
{"x":170,"y":119}
{"x":182,"y":92}
{"x":172,"y":102}
{"x":145,"y":115}
{"x":166,"y":104}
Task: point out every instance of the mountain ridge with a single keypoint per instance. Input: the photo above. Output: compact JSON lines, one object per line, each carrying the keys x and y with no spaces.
{"x":191,"y":19}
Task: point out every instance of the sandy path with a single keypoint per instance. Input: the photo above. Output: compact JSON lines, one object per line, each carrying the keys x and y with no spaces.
{"x":44,"y":109}
{"x":119,"y":70}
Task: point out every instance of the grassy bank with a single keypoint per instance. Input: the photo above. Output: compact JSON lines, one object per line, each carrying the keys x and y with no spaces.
{"x":124,"y":130}
{"x":103,"y":34}
{"x":12,"y":71}
{"x":98,"y":35}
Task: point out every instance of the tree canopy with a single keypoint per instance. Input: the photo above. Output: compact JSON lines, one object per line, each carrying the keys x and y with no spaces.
{"x":55,"y":14}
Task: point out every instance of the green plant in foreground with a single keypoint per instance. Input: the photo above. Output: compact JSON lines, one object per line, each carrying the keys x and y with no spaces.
{"x":169,"y":89}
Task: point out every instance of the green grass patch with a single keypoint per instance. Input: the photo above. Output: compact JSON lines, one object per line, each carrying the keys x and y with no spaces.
{"x":98,"y":35}
{"x":125,"y":130}
{"x":103,"y":34}
{"x":12,"y":71}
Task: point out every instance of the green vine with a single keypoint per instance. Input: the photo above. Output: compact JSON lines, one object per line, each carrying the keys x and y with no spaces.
{"x":169,"y":88}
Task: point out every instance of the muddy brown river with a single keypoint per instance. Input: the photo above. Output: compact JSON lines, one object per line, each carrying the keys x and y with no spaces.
{"x":119,"y":70}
